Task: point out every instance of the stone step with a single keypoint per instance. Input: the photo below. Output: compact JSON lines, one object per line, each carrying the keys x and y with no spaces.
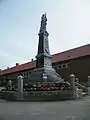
{"x":84,"y":93}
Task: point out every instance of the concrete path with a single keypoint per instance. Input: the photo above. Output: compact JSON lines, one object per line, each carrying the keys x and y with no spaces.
{"x":64,"y":110}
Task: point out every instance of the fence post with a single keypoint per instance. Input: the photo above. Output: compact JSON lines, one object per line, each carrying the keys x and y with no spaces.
{"x":20,"y":88}
{"x":73,"y":86}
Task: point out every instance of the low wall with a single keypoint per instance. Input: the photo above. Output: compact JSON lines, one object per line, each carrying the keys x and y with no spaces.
{"x":38,"y":95}
{"x":47,"y":95}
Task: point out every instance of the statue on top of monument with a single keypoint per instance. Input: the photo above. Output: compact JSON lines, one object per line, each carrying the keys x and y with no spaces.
{"x":43,"y":22}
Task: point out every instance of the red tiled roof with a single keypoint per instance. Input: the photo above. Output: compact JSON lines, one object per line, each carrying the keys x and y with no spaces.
{"x":26,"y":66}
{"x":71,"y":54}
{"x":63,"y":56}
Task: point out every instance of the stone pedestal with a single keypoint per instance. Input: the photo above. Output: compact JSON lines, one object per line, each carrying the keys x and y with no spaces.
{"x":20,"y":88}
{"x":72,"y":86}
{"x":45,"y":74}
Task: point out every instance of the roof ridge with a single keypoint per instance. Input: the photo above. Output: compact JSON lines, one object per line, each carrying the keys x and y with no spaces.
{"x":71,"y":49}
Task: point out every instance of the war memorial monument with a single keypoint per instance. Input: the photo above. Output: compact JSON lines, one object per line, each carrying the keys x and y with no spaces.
{"x":44,"y":82}
{"x":44,"y":71}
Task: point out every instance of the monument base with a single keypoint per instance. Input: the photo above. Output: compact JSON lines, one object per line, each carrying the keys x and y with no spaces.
{"x":45,"y":74}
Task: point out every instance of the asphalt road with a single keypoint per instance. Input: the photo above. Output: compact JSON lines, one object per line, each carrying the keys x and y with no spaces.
{"x":63,"y":110}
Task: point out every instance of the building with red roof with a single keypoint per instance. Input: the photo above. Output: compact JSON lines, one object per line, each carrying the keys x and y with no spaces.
{"x":76,"y":61}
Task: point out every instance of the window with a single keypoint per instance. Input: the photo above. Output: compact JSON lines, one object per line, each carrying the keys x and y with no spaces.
{"x":64,"y":66}
{"x":55,"y":68}
{"x":60,"y":66}
{"x":27,"y":73}
{"x":24,"y":74}
{"x":67,"y":64}
{"x":21,"y":74}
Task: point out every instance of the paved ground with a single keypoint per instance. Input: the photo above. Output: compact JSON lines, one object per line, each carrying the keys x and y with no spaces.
{"x":64,"y":110}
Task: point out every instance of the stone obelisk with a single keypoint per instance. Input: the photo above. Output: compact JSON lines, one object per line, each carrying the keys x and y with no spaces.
{"x":44,"y":71}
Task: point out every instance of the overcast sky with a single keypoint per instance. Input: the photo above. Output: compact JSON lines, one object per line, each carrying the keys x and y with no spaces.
{"x":68,"y":27}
